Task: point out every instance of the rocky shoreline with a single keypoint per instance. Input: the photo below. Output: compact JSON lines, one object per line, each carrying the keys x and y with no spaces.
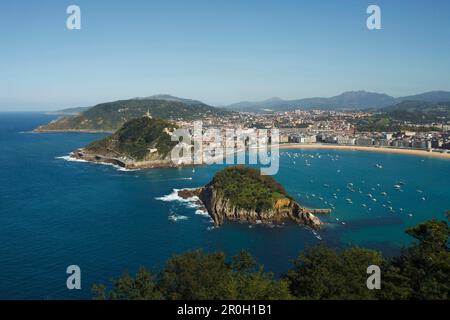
{"x":81,"y":154}
{"x":221,"y":209}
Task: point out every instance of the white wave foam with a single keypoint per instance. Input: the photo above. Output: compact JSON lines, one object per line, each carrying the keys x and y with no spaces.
{"x":171,"y":197}
{"x":192,"y":202}
{"x":72,"y":159}
{"x":125,"y":169}
{"x":201,"y":212}
{"x":175,"y":217}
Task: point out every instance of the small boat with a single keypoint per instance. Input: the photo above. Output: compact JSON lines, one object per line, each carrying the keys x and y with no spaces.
{"x":379,"y":166}
{"x":397,"y":186}
{"x":349,"y":201}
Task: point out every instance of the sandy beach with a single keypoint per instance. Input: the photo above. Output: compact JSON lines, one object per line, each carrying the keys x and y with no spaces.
{"x":414,"y":152}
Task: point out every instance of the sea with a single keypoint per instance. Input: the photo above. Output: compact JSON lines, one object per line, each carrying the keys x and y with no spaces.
{"x":55,"y":213}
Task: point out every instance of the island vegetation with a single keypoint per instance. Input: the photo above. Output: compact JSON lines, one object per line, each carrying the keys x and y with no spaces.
{"x":248,"y":189}
{"x":420,"y":272}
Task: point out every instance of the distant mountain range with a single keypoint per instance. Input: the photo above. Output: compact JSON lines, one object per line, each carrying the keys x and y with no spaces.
{"x":351,"y":100}
{"x":110,"y":116}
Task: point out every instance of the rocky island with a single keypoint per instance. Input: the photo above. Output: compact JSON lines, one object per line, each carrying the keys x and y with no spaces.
{"x":143,"y":142}
{"x":242,"y":194}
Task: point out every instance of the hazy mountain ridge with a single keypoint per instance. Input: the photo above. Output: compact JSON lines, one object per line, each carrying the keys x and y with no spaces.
{"x":350,"y":100}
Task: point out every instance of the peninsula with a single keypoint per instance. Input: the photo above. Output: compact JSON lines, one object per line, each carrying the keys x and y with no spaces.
{"x":240,"y":193}
{"x":111,"y":116}
{"x":143,"y":142}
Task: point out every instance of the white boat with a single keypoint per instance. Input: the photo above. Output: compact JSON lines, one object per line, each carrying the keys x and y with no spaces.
{"x":379,"y":166}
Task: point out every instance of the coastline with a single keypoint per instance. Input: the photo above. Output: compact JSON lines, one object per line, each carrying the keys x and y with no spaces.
{"x":413,"y":152}
{"x":38,"y":130}
{"x":96,"y":158}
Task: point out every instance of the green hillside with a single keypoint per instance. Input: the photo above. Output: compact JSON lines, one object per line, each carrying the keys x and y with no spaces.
{"x":112,"y":115}
{"x":419,"y":112}
{"x":136,"y":139}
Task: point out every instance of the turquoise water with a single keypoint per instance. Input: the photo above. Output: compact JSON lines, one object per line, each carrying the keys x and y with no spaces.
{"x":54,"y":213}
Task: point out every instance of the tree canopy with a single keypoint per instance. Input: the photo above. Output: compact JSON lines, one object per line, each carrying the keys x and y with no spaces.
{"x":421,"y":271}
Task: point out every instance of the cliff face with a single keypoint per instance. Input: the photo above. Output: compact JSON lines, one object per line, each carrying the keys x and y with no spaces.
{"x":220,"y":209}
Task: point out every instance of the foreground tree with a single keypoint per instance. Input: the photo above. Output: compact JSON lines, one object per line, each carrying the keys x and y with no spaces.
{"x":422,"y":271}
{"x":325,"y":273}
{"x":142,"y":287}
{"x":199,"y":276}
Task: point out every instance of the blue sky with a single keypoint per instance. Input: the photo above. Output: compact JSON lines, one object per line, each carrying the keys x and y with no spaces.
{"x":218,"y":51}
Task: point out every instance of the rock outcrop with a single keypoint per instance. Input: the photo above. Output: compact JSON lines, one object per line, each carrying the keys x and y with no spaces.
{"x":222,"y":209}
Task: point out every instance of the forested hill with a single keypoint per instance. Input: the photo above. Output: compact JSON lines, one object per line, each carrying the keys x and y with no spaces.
{"x":419,"y":112}
{"x":139,"y":139}
{"x":112,"y":115}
